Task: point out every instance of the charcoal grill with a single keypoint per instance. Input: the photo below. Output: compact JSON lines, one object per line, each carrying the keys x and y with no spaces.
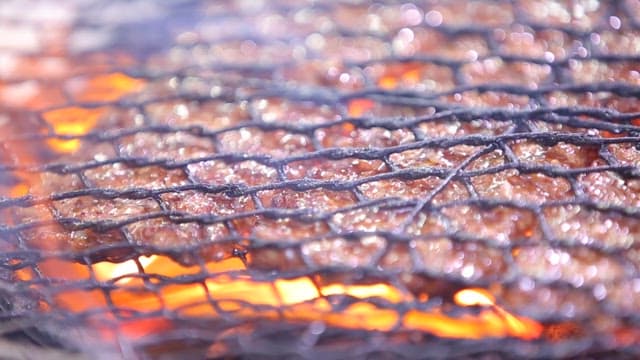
{"x":79,"y":80}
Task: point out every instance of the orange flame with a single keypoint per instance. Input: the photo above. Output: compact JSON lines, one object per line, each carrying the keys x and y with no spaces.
{"x":71,"y":121}
{"x":407,"y":74}
{"x":80,"y":120}
{"x":298,"y":299}
{"x":108,"y":87}
{"x":358,"y":107}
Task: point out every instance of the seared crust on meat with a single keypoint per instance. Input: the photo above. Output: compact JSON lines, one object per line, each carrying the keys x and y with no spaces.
{"x":370,"y":141}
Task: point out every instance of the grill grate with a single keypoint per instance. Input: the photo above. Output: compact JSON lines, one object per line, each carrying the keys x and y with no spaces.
{"x":430,"y":147}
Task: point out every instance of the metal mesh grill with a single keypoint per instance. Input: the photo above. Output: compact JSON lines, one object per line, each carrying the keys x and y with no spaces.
{"x":428,"y":147}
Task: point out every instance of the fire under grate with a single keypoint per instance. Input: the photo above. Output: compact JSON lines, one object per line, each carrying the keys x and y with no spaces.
{"x":440,"y":179}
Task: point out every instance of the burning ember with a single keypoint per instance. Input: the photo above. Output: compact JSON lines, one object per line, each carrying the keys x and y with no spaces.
{"x":455,"y":171}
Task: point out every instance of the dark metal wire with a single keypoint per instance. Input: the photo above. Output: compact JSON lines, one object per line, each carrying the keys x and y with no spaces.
{"x":235,"y":336}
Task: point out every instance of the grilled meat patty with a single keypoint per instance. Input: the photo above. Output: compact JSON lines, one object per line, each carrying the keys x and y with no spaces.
{"x":448,"y":138}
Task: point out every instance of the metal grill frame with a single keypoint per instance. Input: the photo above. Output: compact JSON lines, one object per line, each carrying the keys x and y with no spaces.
{"x":18,"y":254}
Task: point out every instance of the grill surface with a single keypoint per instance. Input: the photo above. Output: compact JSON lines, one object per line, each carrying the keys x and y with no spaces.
{"x":432,"y":146}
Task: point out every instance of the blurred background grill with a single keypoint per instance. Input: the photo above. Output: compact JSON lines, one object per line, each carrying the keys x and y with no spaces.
{"x":319,"y":179}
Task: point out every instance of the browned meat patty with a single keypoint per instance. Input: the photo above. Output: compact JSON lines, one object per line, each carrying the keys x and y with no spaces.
{"x":303,"y":162}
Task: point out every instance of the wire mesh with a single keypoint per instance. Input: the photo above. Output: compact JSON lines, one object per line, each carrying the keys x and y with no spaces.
{"x":428,"y":146}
